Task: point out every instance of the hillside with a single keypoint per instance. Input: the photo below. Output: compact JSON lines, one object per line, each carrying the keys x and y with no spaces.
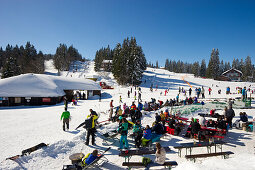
{"x":23,"y":127}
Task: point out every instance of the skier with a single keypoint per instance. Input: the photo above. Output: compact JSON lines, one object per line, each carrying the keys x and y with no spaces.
{"x":165,"y":92}
{"x":66,"y":116}
{"x":128,"y":94}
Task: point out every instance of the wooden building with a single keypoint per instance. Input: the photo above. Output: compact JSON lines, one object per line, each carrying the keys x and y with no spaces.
{"x":233,"y":74}
{"x":41,"y":89}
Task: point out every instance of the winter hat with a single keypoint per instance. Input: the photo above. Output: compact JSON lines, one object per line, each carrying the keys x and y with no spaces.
{"x":120,"y":117}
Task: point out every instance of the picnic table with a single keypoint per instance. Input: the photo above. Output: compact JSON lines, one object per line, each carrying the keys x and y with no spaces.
{"x":191,"y":145}
{"x":212,"y":129}
{"x":143,"y":151}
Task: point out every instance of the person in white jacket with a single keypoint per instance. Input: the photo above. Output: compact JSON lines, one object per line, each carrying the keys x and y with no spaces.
{"x":160,"y":154}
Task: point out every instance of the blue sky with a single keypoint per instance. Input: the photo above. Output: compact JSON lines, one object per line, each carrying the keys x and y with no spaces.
{"x":173,"y":29}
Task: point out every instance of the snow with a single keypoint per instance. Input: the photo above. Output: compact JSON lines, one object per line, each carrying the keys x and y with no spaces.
{"x":41,"y":85}
{"x":23,"y":127}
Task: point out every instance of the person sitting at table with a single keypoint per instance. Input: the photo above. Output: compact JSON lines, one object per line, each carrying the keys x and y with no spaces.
{"x":89,"y":158}
{"x":138,"y":133}
{"x":211,"y":123}
{"x":202,"y":121}
{"x":243,"y":119}
{"x":222,"y":124}
{"x":195,"y":127}
{"x":158,"y":128}
{"x":160,"y":154}
{"x":171,"y":122}
{"x":146,"y":135}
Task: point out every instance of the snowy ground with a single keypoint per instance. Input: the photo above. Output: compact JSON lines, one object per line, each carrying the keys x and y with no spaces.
{"x":23,"y":127}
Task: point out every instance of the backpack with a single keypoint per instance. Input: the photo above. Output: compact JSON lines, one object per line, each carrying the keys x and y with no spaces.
{"x":88,"y":123}
{"x":146,"y":161}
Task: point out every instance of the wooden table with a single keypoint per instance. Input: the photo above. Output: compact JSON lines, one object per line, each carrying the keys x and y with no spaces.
{"x":143,"y":151}
{"x":191,"y":145}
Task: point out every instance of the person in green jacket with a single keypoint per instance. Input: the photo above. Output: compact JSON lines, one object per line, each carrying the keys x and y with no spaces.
{"x":65,"y":116}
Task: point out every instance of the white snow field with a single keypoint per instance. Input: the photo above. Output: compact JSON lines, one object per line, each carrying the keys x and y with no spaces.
{"x":23,"y":127}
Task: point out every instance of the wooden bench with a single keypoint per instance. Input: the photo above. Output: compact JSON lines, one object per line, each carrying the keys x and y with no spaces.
{"x":224,"y":154}
{"x":140,"y":164}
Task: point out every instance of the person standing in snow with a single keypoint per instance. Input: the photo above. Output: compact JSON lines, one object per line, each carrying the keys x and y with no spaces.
{"x":203,"y":92}
{"x":123,"y":130}
{"x":128,"y":94}
{"x":209,"y":90}
{"x":230,"y":113}
{"x":91,"y":130}
{"x":65,"y":102}
{"x":120,"y":99}
{"x":111,"y":109}
{"x":190,"y":90}
{"x":65,"y":116}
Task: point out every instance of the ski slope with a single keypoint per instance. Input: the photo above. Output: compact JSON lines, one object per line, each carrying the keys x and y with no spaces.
{"x":23,"y":127}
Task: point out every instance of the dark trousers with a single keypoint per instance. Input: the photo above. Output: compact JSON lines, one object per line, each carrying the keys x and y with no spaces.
{"x":65,"y":122}
{"x":92,"y":133}
{"x":138,"y":139}
{"x":229,"y":121}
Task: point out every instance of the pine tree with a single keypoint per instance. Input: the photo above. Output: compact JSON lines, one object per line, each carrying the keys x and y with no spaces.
{"x":60,"y":58}
{"x":196,"y":69}
{"x":10,"y":68}
{"x":129,"y":62}
{"x":203,"y":68}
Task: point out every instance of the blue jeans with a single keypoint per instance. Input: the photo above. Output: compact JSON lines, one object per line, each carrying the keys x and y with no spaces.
{"x":123,"y":137}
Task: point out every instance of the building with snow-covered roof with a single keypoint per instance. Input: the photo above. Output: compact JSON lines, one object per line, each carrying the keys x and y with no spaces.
{"x":38,"y":89}
{"x":106,"y":65}
{"x":233,"y":74}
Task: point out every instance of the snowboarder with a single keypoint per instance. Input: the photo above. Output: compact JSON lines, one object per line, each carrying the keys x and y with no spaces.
{"x":65,"y":116}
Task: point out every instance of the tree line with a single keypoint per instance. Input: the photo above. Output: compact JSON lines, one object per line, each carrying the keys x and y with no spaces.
{"x":214,"y":69}
{"x":128,"y":61}
{"x":16,"y":60}
{"x":64,"y":57}
{"x":20,"y":60}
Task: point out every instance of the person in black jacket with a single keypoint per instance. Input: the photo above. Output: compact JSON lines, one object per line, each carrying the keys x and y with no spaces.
{"x":230,"y":113}
{"x":222,"y":124}
{"x":158,"y":118}
{"x":210,"y":123}
{"x":195,"y":127}
{"x":158,"y":128}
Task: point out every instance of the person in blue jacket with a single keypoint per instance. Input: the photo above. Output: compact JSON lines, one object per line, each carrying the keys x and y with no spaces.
{"x":90,"y":157}
{"x":146,"y":135}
